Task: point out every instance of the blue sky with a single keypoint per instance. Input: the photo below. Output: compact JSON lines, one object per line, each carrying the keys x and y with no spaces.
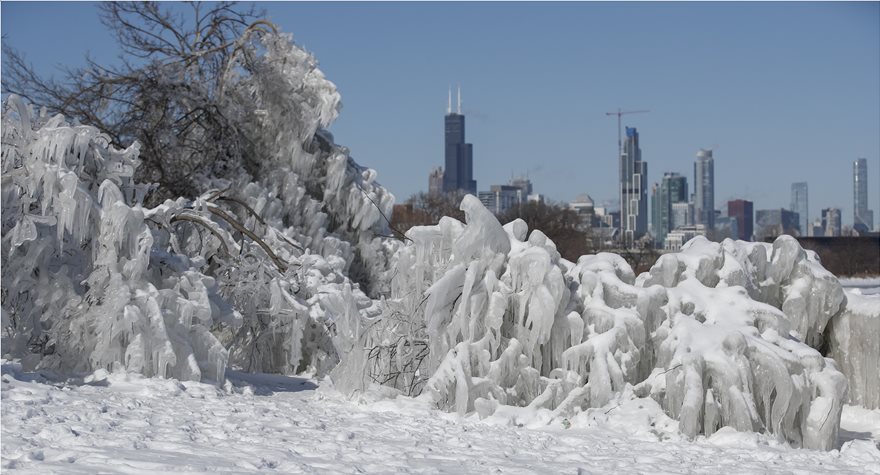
{"x":786,"y":92}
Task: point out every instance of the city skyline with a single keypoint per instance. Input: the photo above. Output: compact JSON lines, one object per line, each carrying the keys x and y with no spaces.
{"x":783,"y":103}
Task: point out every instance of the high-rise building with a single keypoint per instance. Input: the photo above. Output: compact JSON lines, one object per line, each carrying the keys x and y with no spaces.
{"x":863,"y":218}
{"x":800,"y":205}
{"x":726,"y":227}
{"x":585,"y":208}
{"x":501,"y":198}
{"x":633,"y":190}
{"x":770,"y":223}
{"x":435,"y":181}
{"x":743,"y":211}
{"x":673,"y":189}
{"x":654,"y":228}
{"x":682,"y":215}
{"x":459,"y":174}
{"x":831,"y":221}
{"x":704,"y":189}
{"x":523,"y":184}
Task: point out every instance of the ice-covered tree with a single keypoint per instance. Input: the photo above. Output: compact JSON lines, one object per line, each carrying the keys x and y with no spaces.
{"x":252,"y":257}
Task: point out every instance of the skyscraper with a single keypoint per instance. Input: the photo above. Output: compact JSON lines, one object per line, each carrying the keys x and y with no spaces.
{"x":435,"y":181}
{"x":831,"y":222}
{"x":704,"y":189}
{"x":743,"y":211}
{"x":633,"y":189}
{"x":682,"y":215}
{"x":800,"y":205}
{"x":459,"y":174}
{"x":673,"y":189}
{"x":863,"y":218}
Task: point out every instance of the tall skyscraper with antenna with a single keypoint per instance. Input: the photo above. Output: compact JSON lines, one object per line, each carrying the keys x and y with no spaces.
{"x":459,"y":173}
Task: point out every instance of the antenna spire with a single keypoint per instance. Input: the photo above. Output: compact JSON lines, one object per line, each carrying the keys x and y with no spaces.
{"x":449,"y":101}
{"x":459,"y":99}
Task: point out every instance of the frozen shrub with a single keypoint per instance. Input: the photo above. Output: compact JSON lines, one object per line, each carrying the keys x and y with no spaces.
{"x":715,"y":333}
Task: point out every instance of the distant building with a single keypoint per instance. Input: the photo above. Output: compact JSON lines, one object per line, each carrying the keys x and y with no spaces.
{"x":501,"y":198}
{"x":682,"y":214}
{"x":585,"y":208}
{"x":831,"y":225}
{"x":654,"y":225}
{"x":523,"y":184}
{"x":435,"y":181}
{"x":704,"y":189}
{"x":863,"y":218}
{"x":633,"y":190}
{"x":800,"y":205}
{"x":743,"y":211}
{"x":816,"y":229}
{"x":726,"y":227}
{"x":606,"y":217}
{"x":775,"y":222}
{"x":459,"y":174}
{"x":677,"y":238}
{"x":673,"y":189}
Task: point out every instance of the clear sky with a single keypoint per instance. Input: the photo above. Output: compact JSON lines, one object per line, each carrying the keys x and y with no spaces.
{"x":785,"y":92}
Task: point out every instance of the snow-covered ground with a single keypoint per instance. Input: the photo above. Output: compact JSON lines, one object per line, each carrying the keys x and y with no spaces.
{"x":862,"y":285}
{"x":129,"y":424}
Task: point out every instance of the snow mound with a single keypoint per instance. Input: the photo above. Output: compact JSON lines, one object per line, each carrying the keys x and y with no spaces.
{"x":714,"y":333}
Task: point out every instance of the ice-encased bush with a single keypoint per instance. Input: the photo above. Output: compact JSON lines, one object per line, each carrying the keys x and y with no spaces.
{"x":77,"y":291}
{"x":489,"y":318}
{"x":728,"y":359}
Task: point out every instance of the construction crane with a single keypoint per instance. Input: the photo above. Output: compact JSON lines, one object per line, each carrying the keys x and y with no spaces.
{"x":619,"y":138}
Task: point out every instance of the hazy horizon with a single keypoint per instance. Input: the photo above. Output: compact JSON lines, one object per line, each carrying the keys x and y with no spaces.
{"x":784,"y":93}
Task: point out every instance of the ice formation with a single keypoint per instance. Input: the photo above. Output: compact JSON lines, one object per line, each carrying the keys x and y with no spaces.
{"x":490,"y":319}
{"x":247,"y":274}
{"x":854,"y":343}
{"x":291,"y":270}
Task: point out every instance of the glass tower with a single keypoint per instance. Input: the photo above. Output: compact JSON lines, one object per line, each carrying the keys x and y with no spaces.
{"x":800,"y":205}
{"x":673,"y":189}
{"x":863,"y":218}
{"x":704,"y":189}
{"x":633,"y":189}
